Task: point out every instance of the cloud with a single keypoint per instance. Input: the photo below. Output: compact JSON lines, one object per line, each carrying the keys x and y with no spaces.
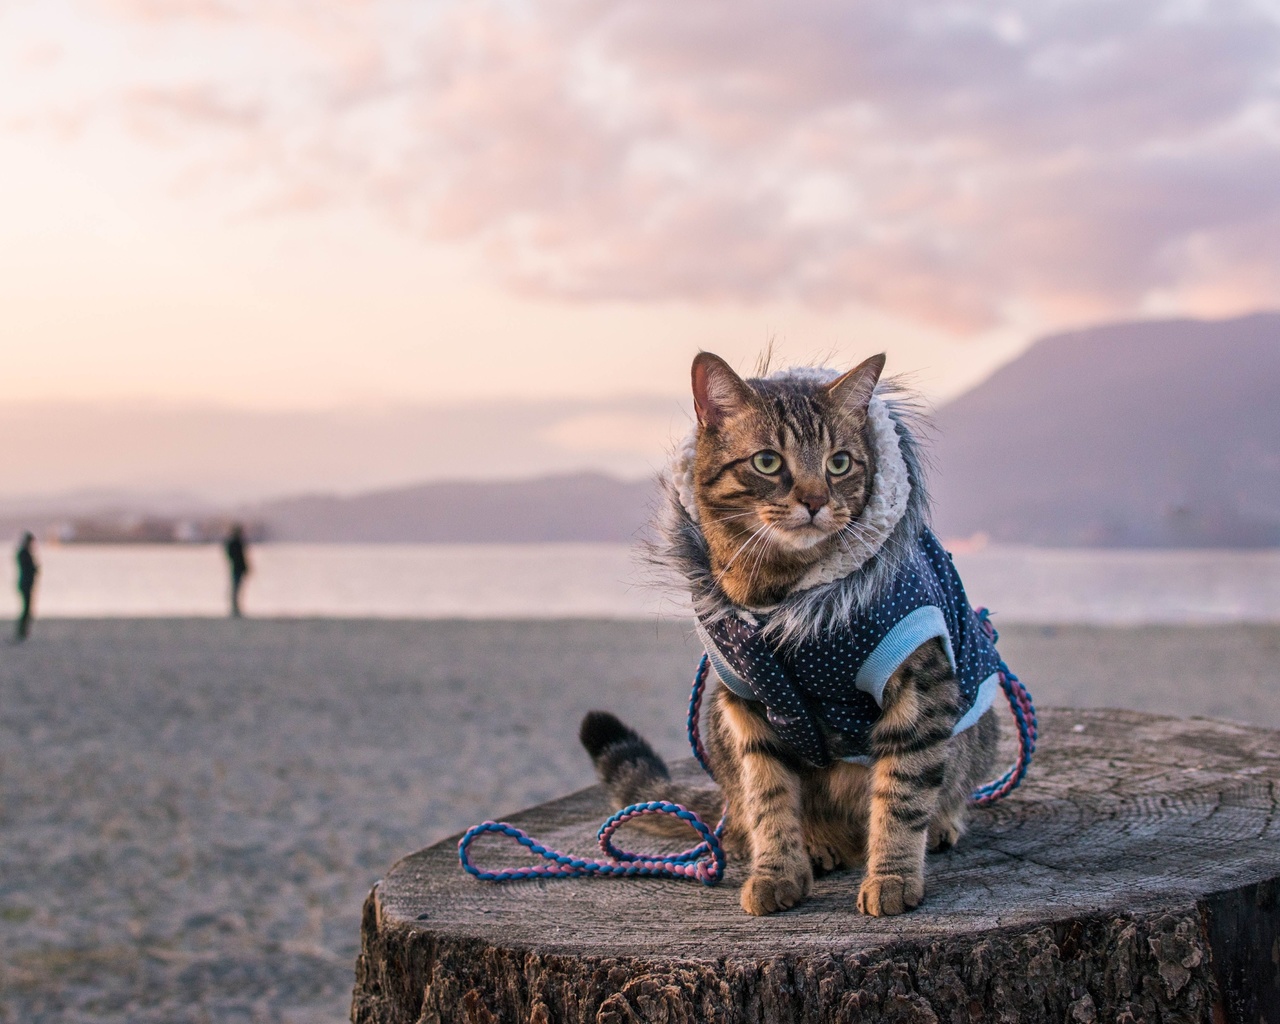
{"x":957,"y":163}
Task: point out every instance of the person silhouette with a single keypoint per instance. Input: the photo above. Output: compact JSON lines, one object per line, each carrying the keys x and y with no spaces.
{"x":235,"y":548}
{"x":27,"y":571}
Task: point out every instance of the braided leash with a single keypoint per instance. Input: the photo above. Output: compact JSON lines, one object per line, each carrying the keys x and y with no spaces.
{"x":1024,"y":714}
{"x":695,"y":716}
{"x":705,"y":862}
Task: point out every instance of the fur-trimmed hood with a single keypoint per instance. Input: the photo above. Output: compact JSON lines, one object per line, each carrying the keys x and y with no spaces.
{"x":852,"y":577}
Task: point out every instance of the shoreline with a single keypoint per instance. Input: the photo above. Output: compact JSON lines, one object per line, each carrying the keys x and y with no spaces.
{"x":1036,"y":586}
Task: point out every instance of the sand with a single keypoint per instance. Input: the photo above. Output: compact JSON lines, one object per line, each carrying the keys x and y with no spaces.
{"x":191,"y":811}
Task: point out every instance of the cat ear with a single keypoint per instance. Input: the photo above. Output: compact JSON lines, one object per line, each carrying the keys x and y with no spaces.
{"x":718,"y":392}
{"x":852,"y":391}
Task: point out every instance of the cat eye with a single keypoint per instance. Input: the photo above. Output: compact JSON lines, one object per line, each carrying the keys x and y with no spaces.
{"x":767,"y":462}
{"x":839,"y":464}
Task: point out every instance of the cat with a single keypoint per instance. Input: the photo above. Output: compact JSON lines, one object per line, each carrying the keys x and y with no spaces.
{"x":841,"y":734}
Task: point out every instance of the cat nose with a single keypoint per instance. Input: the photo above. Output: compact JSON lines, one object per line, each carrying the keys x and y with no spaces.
{"x":813,"y":501}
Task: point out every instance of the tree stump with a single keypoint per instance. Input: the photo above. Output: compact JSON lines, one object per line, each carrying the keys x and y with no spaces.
{"x":1134,"y":877}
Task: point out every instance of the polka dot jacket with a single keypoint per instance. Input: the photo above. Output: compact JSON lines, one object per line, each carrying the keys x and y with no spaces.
{"x":837,"y":680}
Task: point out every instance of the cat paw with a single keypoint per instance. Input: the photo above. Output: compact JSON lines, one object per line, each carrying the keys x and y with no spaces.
{"x":945,"y":831}
{"x":886,"y":895}
{"x":823,"y":857}
{"x":767,"y":894}
{"x":832,"y":855}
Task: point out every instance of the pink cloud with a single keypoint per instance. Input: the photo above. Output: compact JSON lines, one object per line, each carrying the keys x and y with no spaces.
{"x":175,"y":112}
{"x":158,"y":11}
{"x":942,"y":163}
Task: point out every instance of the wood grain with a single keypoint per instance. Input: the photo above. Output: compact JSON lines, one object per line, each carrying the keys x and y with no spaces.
{"x":1132,"y":878}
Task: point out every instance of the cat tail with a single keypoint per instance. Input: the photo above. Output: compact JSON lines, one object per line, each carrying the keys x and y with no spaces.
{"x":633,"y":773}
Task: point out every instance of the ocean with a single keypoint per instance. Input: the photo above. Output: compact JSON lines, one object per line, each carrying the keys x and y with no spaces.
{"x":553,"y":581}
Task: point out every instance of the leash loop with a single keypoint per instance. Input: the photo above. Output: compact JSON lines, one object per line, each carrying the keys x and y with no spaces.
{"x":704,"y":862}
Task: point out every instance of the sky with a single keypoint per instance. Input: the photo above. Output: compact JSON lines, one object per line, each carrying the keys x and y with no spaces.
{"x":297,"y":208}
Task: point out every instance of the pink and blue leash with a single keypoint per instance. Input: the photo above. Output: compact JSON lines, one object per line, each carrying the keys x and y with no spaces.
{"x":1024,"y":715}
{"x":705,"y":862}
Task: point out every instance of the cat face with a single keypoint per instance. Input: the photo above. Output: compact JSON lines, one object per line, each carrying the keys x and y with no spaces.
{"x":783,"y":469}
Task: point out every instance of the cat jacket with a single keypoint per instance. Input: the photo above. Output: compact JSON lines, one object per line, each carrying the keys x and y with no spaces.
{"x":837,"y":679}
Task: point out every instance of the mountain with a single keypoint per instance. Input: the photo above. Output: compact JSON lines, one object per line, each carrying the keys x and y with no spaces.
{"x":567,"y":507}
{"x":1160,"y":433}
{"x":574,"y":507}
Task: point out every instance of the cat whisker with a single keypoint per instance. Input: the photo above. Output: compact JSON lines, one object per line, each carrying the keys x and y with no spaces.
{"x":760,"y":554}
{"x":843,"y":541}
{"x":736,"y":515}
{"x":855,"y":529}
{"x":762,"y":528}
{"x":759,"y":558}
{"x":761,"y":551}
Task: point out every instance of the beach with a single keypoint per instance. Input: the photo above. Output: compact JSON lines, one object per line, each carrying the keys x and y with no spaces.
{"x":192,"y":810}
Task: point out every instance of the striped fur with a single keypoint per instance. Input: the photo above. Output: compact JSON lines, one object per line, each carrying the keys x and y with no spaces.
{"x":756,"y":536}
{"x":635,"y":774}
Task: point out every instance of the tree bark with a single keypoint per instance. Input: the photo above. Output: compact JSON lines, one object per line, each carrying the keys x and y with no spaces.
{"x":1134,"y":877}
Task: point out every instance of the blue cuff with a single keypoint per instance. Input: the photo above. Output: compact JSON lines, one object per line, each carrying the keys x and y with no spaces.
{"x":982,"y":700}
{"x":923,"y":624}
{"x":985,"y":697}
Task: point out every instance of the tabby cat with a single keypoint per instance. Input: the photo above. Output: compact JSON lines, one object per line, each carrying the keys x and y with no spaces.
{"x":797,"y":516}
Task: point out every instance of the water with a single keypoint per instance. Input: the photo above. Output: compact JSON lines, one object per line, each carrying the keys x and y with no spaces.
{"x":1123,"y":587}
{"x":604,"y":581}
